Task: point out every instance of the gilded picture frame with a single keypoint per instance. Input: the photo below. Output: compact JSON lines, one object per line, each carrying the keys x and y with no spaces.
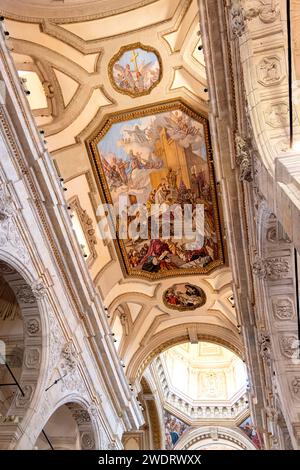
{"x":116,"y":58}
{"x":187,"y":299}
{"x":104,"y":191}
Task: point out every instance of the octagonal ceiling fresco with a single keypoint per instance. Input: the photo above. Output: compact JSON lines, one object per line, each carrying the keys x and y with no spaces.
{"x":159,"y":155}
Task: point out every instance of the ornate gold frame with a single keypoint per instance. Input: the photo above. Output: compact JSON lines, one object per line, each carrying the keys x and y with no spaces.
{"x":119,"y":54}
{"x":103,"y":188}
{"x":184,"y":309}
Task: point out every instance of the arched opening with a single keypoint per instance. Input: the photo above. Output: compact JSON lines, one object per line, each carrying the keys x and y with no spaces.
{"x":69,"y":428}
{"x":196,"y":385}
{"x":182,"y":334}
{"x":153,"y":420}
{"x":20,"y":348}
{"x":12,"y":346}
{"x":214,"y":438}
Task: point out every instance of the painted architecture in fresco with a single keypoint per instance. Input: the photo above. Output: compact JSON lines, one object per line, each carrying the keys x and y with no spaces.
{"x":135,"y":70}
{"x":159,"y":156}
{"x":174,"y":428}
{"x":184,"y":297}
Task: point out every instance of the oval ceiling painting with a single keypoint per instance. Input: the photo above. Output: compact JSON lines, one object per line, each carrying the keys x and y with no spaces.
{"x":135,"y":70}
{"x":184,"y":297}
{"x":154,"y":170}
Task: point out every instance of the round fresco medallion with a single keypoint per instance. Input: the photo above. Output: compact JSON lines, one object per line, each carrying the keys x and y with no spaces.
{"x":135,"y":70}
{"x":184,"y":297}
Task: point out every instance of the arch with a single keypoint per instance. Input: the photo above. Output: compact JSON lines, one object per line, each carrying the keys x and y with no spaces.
{"x":27,"y":296}
{"x":181,"y":334}
{"x":155,"y":424}
{"x":207,"y":437}
{"x":69,"y":427}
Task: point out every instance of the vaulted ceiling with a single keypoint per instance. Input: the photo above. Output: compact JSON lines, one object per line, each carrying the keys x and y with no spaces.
{"x":63,"y":50}
{"x":66,"y":8}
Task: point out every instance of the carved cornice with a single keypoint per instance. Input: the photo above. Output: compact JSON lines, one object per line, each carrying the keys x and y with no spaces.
{"x":243,"y":11}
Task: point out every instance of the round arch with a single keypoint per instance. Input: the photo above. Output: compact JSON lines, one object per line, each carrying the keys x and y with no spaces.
{"x":70,"y":426}
{"x":181,"y":334}
{"x":25,"y":295}
{"x":214,"y":438}
{"x":155,"y":424}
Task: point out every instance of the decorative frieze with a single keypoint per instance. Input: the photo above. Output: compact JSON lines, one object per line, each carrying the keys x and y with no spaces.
{"x":32,"y":358}
{"x":244,"y":158}
{"x":81,"y":416}
{"x":69,"y":355}
{"x":9,"y":234}
{"x":283,"y":308}
{"x":11,"y":419}
{"x":238,"y":23}
{"x":277,"y":115}
{"x":296,"y":385}
{"x":87,"y":441}
{"x":25,"y":295}
{"x":28,"y":295}
{"x":39,"y":290}
{"x":243,"y":12}
{"x":32,"y":326}
{"x":10,"y":238}
{"x":289,"y":345}
{"x":267,"y":11}
{"x":55,"y":338}
{"x":6,"y":205}
{"x":69,"y":371}
{"x":264,"y":343}
{"x":269,"y":71}
{"x":271,"y":268}
{"x":24,"y":400}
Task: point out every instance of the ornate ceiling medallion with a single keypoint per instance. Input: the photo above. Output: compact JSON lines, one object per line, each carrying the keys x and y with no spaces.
{"x":184,"y":297}
{"x":154,"y":171}
{"x":135,"y":70}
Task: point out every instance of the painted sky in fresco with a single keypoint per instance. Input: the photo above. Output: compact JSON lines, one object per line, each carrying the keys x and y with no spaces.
{"x":144,"y":57}
{"x":161,"y":159}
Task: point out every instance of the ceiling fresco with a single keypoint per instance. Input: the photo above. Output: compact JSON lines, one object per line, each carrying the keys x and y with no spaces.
{"x":69,"y":48}
{"x":160,"y":156}
{"x":135,"y":70}
{"x":184,"y":296}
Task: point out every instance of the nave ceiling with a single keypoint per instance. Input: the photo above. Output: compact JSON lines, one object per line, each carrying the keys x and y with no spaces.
{"x":60,"y":9}
{"x":64,"y":55}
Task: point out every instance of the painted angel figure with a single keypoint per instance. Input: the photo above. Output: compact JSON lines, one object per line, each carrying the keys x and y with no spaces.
{"x":124,"y":77}
{"x":146,"y":76}
{"x":137,"y":80}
